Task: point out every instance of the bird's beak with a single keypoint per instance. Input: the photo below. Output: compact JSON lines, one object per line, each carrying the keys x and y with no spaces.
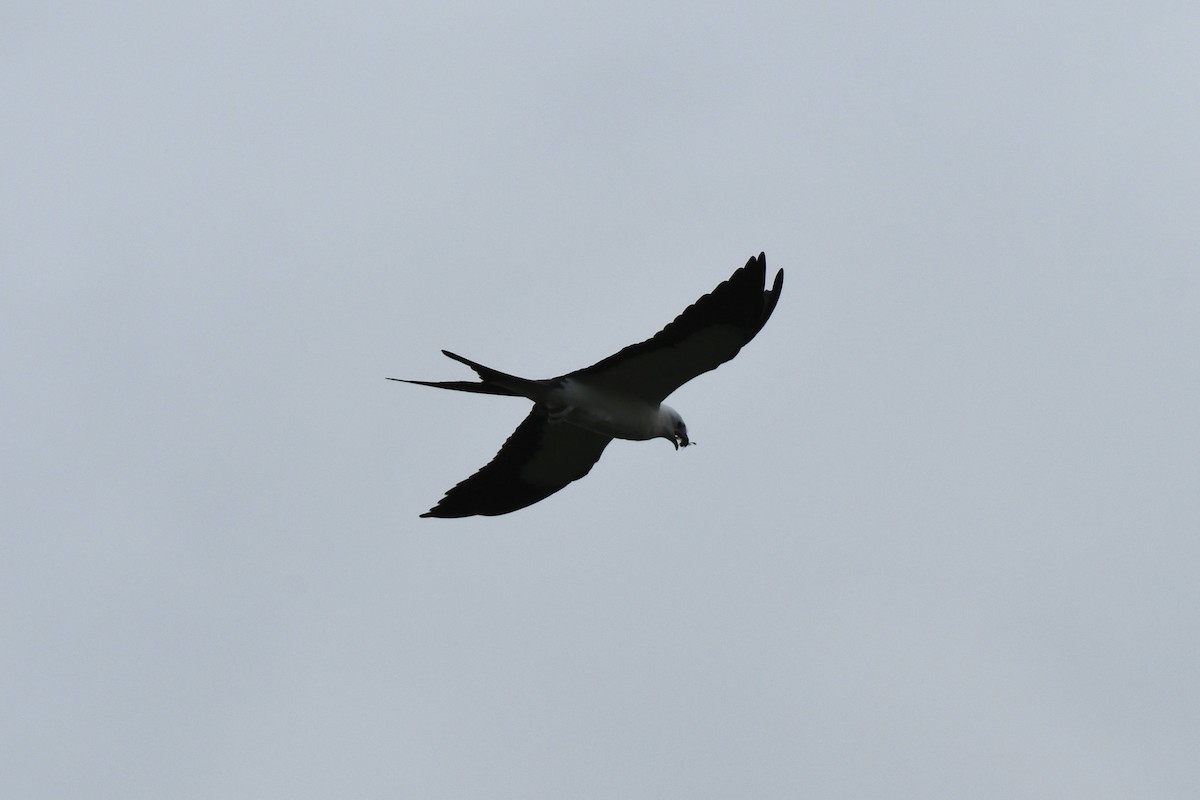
{"x":681,"y":440}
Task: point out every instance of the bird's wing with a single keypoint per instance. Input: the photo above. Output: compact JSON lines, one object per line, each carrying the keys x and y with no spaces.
{"x":708,"y":333}
{"x":542,"y":456}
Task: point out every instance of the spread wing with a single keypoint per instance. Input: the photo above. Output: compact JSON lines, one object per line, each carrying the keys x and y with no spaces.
{"x":542,"y":456}
{"x":708,"y":333}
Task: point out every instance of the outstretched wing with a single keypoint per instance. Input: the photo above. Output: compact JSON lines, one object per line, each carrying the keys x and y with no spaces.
{"x":708,"y":333}
{"x":542,"y":456}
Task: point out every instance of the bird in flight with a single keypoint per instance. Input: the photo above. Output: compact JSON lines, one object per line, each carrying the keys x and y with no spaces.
{"x":576,"y":415}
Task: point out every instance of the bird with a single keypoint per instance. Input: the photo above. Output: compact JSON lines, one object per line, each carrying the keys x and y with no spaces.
{"x":576,"y":415}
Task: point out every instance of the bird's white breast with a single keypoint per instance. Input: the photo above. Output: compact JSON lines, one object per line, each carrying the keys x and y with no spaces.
{"x":609,"y":413}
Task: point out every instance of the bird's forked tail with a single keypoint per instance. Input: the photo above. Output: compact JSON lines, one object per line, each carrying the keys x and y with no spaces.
{"x":492,"y":381}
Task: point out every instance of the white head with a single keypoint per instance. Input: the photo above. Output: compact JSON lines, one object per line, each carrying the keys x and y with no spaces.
{"x":671,"y":427}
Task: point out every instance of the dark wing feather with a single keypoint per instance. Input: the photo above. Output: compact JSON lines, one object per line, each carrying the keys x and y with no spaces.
{"x":541,"y":457}
{"x":708,"y":333}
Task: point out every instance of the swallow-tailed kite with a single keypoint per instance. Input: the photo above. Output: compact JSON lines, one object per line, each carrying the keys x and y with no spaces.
{"x":576,"y":415}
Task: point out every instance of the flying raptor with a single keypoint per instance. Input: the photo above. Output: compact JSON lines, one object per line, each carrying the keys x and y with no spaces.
{"x":576,"y":415}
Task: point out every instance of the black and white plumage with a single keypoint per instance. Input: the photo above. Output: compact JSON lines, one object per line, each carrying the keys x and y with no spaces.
{"x":576,"y":415}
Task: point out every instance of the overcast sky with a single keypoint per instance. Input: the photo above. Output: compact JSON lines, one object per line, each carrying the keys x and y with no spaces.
{"x":939,"y":537}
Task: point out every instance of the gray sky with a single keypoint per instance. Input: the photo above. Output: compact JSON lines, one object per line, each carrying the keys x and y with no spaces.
{"x":939,"y":538}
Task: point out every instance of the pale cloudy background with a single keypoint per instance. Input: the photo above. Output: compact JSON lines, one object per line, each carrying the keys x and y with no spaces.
{"x":940,"y":536}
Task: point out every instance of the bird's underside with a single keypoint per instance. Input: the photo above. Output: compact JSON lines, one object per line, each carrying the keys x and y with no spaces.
{"x":576,"y":415}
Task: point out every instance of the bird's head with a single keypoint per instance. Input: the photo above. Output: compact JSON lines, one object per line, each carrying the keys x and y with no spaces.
{"x":673,"y":428}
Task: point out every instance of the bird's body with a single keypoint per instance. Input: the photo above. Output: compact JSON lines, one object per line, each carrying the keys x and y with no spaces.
{"x":576,"y":415}
{"x":612,"y":414}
